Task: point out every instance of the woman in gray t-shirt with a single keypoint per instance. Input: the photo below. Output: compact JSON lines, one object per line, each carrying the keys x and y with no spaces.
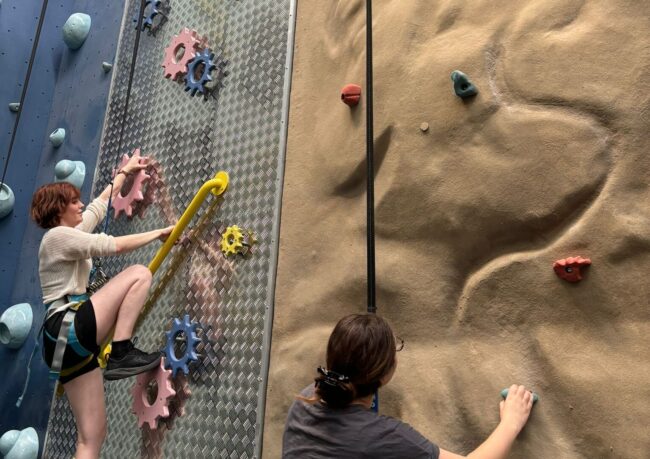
{"x":333,"y":418}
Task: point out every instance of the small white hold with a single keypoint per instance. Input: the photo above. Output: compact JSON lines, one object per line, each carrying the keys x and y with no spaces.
{"x":14,"y":106}
{"x":106,"y":66}
{"x":76,"y":30}
{"x":57,"y":137}
{"x":424,"y":127}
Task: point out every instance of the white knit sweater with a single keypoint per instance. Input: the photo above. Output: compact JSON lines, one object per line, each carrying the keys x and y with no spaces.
{"x":65,"y":254}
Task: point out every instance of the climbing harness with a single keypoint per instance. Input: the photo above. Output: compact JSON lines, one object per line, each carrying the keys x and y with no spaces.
{"x":70,"y":304}
{"x":66,"y":336}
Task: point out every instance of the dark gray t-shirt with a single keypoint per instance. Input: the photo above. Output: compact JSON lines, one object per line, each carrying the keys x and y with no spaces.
{"x":316,"y":431}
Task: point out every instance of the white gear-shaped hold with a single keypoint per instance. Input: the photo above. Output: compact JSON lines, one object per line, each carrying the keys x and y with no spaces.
{"x":125,"y":203}
{"x":151,"y":412}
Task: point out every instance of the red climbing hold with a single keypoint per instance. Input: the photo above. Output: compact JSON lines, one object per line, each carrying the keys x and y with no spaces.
{"x":569,"y":268}
{"x":351,"y":94}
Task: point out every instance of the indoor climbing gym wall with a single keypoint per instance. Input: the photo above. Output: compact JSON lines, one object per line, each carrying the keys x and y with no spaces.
{"x":208,"y":94}
{"x":67,"y":91}
{"x":512,"y":225}
{"x":511,"y":212}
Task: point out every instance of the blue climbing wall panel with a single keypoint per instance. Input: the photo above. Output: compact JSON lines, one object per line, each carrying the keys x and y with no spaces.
{"x":68,"y":89}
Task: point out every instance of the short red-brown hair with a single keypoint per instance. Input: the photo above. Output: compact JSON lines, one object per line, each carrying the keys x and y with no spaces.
{"x":50,"y":201}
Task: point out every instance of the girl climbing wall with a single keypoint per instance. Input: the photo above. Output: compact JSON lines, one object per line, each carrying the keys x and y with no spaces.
{"x":76,"y":324}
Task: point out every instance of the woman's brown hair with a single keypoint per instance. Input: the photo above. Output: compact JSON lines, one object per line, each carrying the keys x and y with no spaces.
{"x":360,"y":352}
{"x":50,"y":201}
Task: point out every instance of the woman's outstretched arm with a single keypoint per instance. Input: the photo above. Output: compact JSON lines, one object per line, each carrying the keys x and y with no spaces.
{"x":514,"y":410}
{"x":131,"y":242}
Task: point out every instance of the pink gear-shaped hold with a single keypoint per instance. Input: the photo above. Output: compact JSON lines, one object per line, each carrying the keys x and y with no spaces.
{"x":191,"y":43}
{"x":122,"y":203}
{"x":150,"y":412}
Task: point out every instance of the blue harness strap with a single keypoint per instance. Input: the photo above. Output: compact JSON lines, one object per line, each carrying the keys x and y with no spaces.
{"x":66,"y":336}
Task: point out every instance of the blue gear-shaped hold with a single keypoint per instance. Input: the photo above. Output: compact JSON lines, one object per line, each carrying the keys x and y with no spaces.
{"x":193,"y":84}
{"x":147,"y":20}
{"x":189,"y":328}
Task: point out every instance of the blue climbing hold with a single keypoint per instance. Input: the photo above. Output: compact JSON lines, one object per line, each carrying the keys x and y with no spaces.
{"x":504,"y":394}
{"x":188,"y":328}
{"x":194,"y":83}
{"x":462,"y":85}
{"x":76,"y":30}
{"x":73,"y":172}
{"x":14,"y":106}
{"x":57,"y":137}
{"x":7,"y":200}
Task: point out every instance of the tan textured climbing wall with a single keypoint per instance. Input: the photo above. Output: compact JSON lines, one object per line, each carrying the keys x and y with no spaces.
{"x":550,"y":160}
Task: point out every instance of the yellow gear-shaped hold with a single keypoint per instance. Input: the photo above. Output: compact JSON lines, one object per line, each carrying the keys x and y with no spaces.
{"x":232,"y":241}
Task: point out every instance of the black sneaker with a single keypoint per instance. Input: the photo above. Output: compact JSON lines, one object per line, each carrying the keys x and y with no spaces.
{"x":132,"y":363}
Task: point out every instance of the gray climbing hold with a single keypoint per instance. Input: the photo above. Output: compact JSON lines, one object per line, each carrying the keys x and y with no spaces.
{"x":504,"y":394}
{"x":23,"y":444}
{"x":76,"y":29}
{"x":462,"y":85}
{"x":15,"y":324}
{"x":7,"y":200}
{"x":107,"y":66}
{"x":57,"y":137}
{"x":14,"y":106}
{"x":73,"y":172}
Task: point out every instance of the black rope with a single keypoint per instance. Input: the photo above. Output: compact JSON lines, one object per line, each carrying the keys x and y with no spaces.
{"x":370,"y":216}
{"x":37,"y":37}
{"x":97,"y":275}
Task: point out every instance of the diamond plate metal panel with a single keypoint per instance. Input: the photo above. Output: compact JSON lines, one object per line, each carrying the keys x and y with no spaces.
{"x":240,"y":131}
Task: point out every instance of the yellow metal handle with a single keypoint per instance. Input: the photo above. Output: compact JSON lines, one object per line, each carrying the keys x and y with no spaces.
{"x":216,"y":186}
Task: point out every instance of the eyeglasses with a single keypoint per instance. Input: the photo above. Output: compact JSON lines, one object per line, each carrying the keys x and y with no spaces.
{"x":399,"y":344}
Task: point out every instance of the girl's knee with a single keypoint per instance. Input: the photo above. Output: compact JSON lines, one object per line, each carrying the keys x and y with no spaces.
{"x":141,"y":272}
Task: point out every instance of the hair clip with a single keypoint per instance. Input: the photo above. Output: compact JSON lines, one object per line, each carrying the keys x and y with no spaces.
{"x":332,"y":377}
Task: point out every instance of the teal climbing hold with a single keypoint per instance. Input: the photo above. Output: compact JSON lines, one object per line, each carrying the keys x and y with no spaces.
{"x":462,"y":85}
{"x":106,"y":66}
{"x":76,"y":30}
{"x":14,"y":106}
{"x":15,"y":324}
{"x":23,"y":444}
{"x":57,"y":137}
{"x":73,"y":172}
{"x":7,"y":200}
{"x":504,"y":394}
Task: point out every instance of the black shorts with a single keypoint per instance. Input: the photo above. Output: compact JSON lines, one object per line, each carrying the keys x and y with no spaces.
{"x":82,"y":341}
